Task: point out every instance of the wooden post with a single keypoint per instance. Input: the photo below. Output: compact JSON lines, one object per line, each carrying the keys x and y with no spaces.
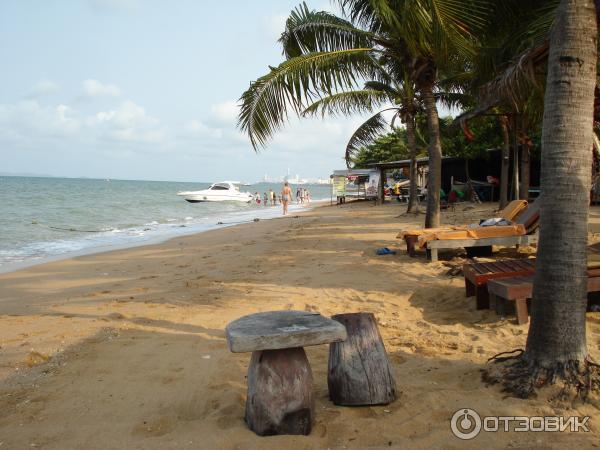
{"x":280,"y":395}
{"x":359,"y":370}
{"x":380,"y":188}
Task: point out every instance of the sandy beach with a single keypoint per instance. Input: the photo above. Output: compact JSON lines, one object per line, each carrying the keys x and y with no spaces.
{"x":126,"y":349}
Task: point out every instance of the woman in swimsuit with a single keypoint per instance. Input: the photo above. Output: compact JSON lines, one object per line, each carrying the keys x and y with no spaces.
{"x":286,"y":196}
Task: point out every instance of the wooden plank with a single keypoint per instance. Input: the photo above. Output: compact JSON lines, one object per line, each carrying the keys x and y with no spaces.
{"x":522,"y":287}
{"x":282,"y":329}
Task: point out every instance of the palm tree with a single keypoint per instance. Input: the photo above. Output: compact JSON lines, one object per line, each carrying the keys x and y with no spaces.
{"x":507,"y":75}
{"x":376,"y":94}
{"x":327,"y":55}
{"x":556,"y":343}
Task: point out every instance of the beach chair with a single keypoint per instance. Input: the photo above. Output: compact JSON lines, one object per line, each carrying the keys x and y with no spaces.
{"x":411,"y":236}
{"x":521,"y":232}
{"x":478,"y":275}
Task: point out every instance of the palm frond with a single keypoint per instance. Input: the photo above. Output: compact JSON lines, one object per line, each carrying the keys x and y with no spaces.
{"x":514,"y":50}
{"x":347,"y":103}
{"x":366,"y":134}
{"x":514,"y":84}
{"x":264,"y":106}
{"x":454,"y":25}
{"x":454,"y":99}
{"x":309,"y":31}
{"x":381,"y":86}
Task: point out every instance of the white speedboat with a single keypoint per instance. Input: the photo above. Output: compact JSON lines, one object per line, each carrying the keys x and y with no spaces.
{"x":226,"y":191}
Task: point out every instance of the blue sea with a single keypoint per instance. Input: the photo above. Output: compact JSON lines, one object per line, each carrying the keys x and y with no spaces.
{"x":50,"y":218}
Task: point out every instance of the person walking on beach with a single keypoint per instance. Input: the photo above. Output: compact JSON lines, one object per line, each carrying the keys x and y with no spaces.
{"x":266,"y":199}
{"x":257,"y":198}
{"x":286,"y":197}
{"x":298,"y":195}
{"x":272,"y":196}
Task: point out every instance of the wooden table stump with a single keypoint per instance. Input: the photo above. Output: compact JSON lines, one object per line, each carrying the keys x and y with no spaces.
{"x":359,"y":369}
{"x":280,"y":398}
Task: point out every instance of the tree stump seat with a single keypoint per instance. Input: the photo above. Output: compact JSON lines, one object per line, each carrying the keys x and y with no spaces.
{"x":280,"y":394}
{"x":359,"y":371}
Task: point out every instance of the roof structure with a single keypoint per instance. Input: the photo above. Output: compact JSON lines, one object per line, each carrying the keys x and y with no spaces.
{"x":406,"y":163}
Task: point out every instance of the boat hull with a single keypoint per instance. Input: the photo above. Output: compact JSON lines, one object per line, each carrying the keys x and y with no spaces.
{"x":201,"y":197}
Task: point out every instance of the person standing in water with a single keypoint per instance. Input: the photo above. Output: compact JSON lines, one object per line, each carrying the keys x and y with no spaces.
{"x":272,"y":196}
{"x":286,"y":197}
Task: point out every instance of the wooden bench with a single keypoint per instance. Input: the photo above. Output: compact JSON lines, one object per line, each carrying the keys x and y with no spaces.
{"x":280,"y":396}
{"x":519,"y":289}
{"x":478,"y":275}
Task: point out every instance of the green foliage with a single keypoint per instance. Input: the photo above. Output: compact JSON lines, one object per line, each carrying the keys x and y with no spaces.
{"x":388,"y":147}
{"x":389,"y":41}
{"x":486,"y":131}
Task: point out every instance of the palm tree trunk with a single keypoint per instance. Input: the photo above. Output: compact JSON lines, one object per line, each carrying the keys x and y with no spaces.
{"x":515,"y":148}
{"x":557,"y":332}
{"x":525,"y":172}
{"x":434,"y":178}
{"x":412,"y":148}
{"x":505,"y":162}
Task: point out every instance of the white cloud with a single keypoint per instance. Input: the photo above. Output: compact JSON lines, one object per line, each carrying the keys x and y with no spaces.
{"x":94,"y":88}
{"x":226,"y":111}
{"x":27,"y":120}
{"x":197,"y":129}
{"x":29,"y":124}
{"x":42,"y":87}
{"x":129,"y":123}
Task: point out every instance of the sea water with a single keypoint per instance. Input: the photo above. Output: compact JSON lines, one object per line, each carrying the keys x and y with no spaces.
{"x":49,"y":218}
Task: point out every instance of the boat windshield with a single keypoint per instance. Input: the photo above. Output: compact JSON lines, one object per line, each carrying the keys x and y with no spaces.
{"x":219,"y":187}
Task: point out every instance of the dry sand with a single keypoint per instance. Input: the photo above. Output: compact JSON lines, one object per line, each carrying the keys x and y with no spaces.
{"x":126,"y":349}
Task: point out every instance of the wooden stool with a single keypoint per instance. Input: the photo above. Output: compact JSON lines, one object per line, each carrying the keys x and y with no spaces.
{"x":359,"y":370}
{"x":519,"y":289}
{"x":280,"y":395}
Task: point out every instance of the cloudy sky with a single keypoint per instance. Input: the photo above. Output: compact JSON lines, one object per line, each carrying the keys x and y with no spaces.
{"x":147,"y":89}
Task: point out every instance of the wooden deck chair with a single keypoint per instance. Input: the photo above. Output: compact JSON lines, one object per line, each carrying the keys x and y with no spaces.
{"x":510,"y":212}
{"x":520,"y":233}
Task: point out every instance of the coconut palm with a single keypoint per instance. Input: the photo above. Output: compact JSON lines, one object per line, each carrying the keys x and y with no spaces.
{"x":375,"y":95}
{"x":556,"y":343}
{"x":327,"y":55}
{"x":508,"y":75}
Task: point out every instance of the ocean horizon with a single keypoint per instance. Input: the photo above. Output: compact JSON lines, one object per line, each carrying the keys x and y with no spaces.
{"x":49,"y":218}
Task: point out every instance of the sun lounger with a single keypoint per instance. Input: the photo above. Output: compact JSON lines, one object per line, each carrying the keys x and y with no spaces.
{"x":520,"y":233}
{"x":519,"y":289}
{"x":478,"y":275}
{"x":411,"y":237}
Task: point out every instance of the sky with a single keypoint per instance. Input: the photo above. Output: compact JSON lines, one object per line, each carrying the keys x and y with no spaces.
{"x":148,"y":89}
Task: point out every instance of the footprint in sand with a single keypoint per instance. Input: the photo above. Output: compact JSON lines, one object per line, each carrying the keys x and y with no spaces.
{"x":155,"y":427}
